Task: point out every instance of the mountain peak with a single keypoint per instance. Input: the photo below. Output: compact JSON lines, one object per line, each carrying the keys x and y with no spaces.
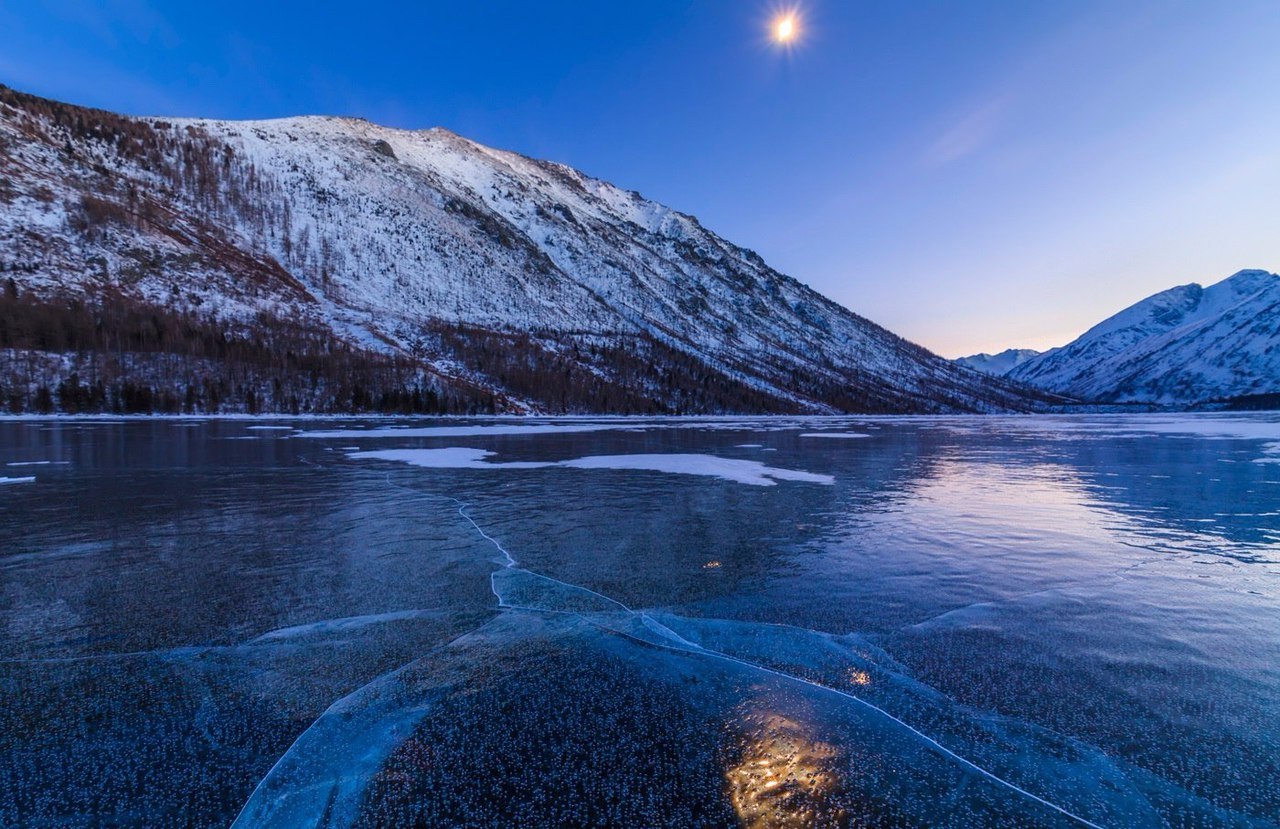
{"x":1248,"y":280}
{"x":998,"y":364}
{"x":1250,"y":273}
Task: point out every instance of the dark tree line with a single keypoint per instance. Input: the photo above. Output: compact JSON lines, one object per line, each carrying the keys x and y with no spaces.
{"x":117,"y":355}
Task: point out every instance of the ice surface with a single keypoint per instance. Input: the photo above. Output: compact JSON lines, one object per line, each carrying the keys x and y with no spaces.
{"x":511,"y":649}
{"x":578,"y":692}
{"x":1204,"y":425}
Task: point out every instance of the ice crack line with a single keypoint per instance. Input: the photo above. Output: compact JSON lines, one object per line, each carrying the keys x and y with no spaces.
{"x":462,"y":510}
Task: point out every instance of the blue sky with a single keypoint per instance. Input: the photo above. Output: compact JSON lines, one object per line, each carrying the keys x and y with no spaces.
{"x":973,"y":175}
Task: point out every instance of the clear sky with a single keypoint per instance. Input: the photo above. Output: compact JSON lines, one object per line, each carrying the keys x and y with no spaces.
{"x":974,"y":174}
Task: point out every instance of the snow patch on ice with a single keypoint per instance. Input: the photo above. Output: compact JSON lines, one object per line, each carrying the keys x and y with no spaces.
{"x":833,"y":435}
{"x":459,"y":431}
{"x":753,"y":473}
{"x":17,"y":480}
{"x":453,"y":457}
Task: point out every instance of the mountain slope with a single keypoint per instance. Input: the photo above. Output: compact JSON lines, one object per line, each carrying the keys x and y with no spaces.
{"x":523,"y":279}
{"x":998,"y":364}
{"x":1184,"y":345}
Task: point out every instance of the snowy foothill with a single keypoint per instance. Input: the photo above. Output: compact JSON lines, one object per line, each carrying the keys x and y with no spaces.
{"x":752,"y":473}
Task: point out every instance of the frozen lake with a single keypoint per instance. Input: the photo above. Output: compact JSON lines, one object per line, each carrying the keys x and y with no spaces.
{"x":1050,"y":621}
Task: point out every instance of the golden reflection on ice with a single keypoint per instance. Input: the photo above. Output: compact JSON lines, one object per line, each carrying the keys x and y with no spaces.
{"x":782,"y":774}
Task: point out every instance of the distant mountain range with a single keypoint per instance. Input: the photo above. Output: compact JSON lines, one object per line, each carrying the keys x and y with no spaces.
{"x":1184,"y":346}
{"x":998,"y":364}
{"x":329,"y":264}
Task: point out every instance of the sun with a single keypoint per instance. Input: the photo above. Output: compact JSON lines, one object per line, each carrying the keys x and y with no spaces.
{"x":786,"y":27}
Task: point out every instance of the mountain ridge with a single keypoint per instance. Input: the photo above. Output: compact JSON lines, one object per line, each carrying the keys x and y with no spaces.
{"x":1186,"y":345}
{"x":502,"y":275}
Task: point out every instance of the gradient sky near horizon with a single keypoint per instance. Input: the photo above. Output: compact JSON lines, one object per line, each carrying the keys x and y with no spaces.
{"x":972,"y":175}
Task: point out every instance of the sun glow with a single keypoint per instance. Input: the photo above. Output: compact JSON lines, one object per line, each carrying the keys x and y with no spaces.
{"x":785,"y":28}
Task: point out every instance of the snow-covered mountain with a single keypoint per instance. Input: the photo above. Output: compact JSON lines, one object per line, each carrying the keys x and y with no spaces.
{"x":998,"y":364}
{"x":1185,"y":345}
{"x":521,"y":279}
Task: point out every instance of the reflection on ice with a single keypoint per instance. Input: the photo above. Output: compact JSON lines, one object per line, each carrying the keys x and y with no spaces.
{"x":782,"y":775}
